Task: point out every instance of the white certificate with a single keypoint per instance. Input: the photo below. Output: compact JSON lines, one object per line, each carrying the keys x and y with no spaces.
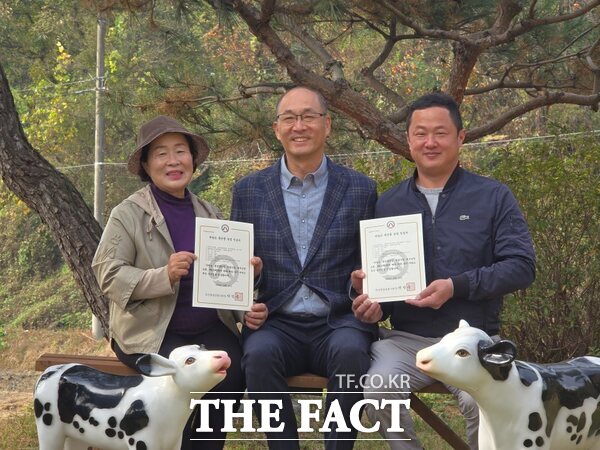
{"x":223,"y":275}
{"x":392,"y":257}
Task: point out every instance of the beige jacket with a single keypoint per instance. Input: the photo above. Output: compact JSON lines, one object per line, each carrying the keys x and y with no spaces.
{"x":130,"y":265}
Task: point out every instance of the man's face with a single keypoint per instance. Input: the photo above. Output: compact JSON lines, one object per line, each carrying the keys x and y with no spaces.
{"x":434,"y":141}
{"x":302,"y":139}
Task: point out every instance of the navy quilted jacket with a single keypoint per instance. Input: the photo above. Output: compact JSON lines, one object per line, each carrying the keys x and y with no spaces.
{"x":478,"y":238}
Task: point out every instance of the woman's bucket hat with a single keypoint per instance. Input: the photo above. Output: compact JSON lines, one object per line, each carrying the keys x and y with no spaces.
{"x":156,"y":128}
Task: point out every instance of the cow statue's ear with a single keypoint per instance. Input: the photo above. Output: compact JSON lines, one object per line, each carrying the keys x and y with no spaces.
{"x":463,"y":324}
{"x":497,"y":357}
{"x":154,"y":365}
{"x":500,"y":353}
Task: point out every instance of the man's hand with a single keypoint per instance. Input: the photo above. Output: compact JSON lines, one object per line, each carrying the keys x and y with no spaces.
{"x":365,"y":310}
{"x":257,"y":264}
{"x":435,"y":295}
{"x":356,"y":278}
{"x":254,"y":318}
{"x":179,"y":265}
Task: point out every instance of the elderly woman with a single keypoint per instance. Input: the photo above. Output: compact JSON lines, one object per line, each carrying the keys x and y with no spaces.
{"x":143,"y":265}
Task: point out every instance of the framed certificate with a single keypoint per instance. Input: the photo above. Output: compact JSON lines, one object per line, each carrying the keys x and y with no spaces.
{"x":223,"y":275}
{"x":393,"y":257}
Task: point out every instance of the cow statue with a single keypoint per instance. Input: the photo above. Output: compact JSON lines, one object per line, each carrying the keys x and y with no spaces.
{"x":79,"y":406}
{"x":521,"y":405}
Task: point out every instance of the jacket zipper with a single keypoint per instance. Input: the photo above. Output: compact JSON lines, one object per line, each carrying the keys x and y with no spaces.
{"x":433,"y":274}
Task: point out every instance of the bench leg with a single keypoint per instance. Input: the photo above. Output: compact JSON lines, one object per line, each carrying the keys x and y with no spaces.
{"x":437,"y":424}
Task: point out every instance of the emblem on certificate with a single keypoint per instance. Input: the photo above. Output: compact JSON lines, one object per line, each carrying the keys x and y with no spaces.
{"x":392,"y":257}
{"x":223,"y":275}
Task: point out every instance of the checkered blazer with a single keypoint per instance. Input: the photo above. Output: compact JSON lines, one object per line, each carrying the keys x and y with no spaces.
{"x":334,"y":251}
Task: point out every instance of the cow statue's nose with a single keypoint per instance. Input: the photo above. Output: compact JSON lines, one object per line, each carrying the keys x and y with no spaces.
{"x":221,"y":360}
{"x":424,"y":365}
{"x":423,"y":360}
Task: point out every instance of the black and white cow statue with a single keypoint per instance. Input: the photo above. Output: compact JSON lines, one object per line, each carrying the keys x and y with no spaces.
{"x":77,"y":406}
{"x":522,"y":405}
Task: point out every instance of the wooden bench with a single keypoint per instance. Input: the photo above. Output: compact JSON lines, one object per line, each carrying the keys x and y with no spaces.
{"x":305,"y":381}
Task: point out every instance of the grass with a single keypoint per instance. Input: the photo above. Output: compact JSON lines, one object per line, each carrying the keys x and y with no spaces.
{"x":54,"y":302}
{"x":21,"y":348}
{"x":18,"y":432}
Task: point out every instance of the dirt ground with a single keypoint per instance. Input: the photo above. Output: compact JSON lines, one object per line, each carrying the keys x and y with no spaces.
{"x":16,"y":391}
{"x":20,"y":349}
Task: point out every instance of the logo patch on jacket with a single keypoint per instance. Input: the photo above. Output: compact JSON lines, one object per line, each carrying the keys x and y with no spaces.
{"x":463,"y":217}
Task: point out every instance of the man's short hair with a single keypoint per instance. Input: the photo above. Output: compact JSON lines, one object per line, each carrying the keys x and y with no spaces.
{"x":320,"y":97}
{"x":434,"y":99}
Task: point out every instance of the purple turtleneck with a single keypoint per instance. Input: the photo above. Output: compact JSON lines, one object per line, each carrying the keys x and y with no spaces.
{"x":181,"y":222}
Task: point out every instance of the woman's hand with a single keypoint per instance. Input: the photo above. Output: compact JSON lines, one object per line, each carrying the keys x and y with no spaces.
{"x":179,"y":265}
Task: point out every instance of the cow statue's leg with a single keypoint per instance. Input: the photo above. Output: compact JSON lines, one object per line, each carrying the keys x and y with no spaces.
{"x":51,"y":434}
{"x":485,"y":436}
{"x":178,"y":444}
{"x":73,"y":444}
{"x":51,"y":440}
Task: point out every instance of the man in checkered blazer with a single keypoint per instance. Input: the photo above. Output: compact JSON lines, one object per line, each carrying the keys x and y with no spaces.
{"x":306,"y":212}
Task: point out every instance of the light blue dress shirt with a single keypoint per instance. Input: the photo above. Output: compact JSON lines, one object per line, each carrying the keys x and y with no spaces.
{"x":303,"y":200}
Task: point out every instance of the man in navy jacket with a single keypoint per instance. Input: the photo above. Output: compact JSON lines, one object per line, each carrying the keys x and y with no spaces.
{"x":306,"y":212}
{"x":477,"y":249}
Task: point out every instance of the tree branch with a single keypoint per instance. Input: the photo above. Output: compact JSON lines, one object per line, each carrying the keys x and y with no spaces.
{"x":546,"y":100}
{"x":338,"y":93}
{"x":528,"y":24}
{"x":463,"y":63}
{"x":267,"y":10}
{"x":507,"y":11}
{"x":331,"y":65}
{"x":368,"y":72}
{"x":503,"y":84}
{"x":575,"y":39}
{"x":50,"y":193}
{"x":594,"y":68}
{"x":424,"y":32}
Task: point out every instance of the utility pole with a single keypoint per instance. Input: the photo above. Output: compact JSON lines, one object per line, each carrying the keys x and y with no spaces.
{"x":99,"y":192}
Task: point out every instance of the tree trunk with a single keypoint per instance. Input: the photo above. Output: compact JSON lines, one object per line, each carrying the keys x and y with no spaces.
{"x":48,"y":192}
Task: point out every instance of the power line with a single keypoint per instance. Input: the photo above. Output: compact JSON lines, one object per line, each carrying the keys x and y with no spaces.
{"x":57,"y":85}
{"x":532,"y":138}
{"x":372,"y":153}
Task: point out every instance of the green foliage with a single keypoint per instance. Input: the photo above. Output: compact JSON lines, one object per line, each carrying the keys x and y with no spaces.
{"x":556,"y":183}
{"x":387,"y":169}
{"x":2,"y":340}
{"x":51,"y":301}
{"x":221,"y":178}
{"x":26,"y":247}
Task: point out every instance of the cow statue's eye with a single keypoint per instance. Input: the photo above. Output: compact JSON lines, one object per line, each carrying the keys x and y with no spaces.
{"x":462,"y":353}
{"x":190,"y":360}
